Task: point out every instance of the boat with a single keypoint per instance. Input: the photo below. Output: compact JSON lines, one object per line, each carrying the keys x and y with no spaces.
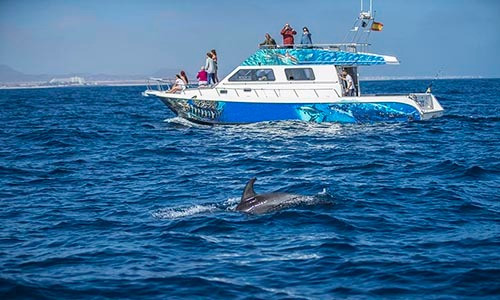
{"x":304,"y":83}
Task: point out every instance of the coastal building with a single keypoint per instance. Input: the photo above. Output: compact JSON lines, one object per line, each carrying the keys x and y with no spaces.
{"x":75,"y":80}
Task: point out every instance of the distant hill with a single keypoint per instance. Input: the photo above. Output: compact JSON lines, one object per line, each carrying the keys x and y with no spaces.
{"x":105,"y":77}
{"x":7,"y":72}
{"x":9,"y":75}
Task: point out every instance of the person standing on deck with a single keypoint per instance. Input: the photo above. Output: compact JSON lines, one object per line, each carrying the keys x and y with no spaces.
{"x":214,"y":58}
{"x":306,"y":37}
{"x":210,"y":68}
{"x":287,"y":32}
{"x":350,"y":89}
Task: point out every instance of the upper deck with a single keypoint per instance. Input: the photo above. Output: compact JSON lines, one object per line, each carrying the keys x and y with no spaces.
{"x":324,"y":54}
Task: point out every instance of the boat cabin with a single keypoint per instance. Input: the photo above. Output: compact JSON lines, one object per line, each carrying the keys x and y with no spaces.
{"x":303,"y":69}
{"x":296,"y":77}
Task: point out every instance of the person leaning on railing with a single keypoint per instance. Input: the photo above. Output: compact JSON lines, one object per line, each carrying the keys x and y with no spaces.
{"x":269,"y":42}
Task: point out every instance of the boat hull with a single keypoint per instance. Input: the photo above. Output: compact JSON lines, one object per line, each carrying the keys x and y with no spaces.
{"x":231,"y":112}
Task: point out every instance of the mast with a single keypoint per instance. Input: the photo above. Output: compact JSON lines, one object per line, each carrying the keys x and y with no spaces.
{"x":360,"y":32}
{"x":370,"y":11}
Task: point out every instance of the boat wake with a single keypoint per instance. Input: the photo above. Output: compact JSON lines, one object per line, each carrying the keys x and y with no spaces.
{"x":286,"y":129}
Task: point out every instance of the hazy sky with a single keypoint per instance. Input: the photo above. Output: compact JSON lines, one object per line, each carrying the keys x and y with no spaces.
{"x":458,"y":37}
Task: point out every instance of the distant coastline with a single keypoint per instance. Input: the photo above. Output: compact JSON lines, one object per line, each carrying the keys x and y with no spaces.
{"x":382,"y":78}
{"x":38,"y":85}
{"x":13,"y":79}
{"x":144,"y":82}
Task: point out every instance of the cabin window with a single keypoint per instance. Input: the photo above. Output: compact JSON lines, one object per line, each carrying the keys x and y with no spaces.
{"x":253,"y":75}
{"x":299,"y":74}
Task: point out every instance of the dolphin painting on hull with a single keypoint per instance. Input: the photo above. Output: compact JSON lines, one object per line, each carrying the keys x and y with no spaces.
{"x":253,"y":203}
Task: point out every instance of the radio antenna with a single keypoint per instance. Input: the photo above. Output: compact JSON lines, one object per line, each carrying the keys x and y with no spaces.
{"x":429,"y":87}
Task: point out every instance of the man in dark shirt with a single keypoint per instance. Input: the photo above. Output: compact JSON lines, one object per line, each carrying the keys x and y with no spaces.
{"x":268,"y":43}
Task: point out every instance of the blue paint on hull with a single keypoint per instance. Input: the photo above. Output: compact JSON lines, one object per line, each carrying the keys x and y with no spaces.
{"x":221,"y":112}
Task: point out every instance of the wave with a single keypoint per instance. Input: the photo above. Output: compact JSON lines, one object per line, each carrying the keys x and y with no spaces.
{"x":470,"y":118}
{"x":148,"y":126}
{"x":286,"y":129}
{"x":184,"y":123}
{"x":18,"y":171}
{"x":456,"y":170}
{"x":181,"y":212}
{"x":454,"y":92}
{"x":56,"y":144}
{"x":477,"y":172}
{"x":12,"y":289}
{"x":187,"y":211}
{"x":288,"y":257}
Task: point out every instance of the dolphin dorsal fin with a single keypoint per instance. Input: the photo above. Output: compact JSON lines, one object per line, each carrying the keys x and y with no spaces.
{"x":249,"y":192}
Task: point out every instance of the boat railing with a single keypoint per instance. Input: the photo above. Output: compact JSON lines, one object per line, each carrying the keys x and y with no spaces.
{"x":160,"y":83}
{"x":347,"y":47}
{"x":424,"y":100}
{"x":263,"y":93}
{"x":163,"y":85}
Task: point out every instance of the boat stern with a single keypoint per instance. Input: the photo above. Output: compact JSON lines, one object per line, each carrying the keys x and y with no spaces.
{"x":428,"y":104}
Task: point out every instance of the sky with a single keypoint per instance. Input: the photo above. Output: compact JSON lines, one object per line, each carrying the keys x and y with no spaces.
{"x":453,"y":37}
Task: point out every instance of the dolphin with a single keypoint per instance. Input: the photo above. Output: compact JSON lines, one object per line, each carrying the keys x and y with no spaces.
{"x":253,"y":203}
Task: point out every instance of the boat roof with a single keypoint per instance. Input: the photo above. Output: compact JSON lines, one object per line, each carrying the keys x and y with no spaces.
{"x":334,"y":54}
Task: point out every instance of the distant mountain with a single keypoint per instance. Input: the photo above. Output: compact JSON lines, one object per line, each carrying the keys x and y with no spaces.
{"x":9,"y":75}
{"x":7,"y":72}
{"x":106,"y":77}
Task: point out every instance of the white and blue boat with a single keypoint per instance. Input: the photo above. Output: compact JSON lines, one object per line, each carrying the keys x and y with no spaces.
{"x":300,"y":83}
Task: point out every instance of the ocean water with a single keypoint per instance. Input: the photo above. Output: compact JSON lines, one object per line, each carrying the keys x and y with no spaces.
{"x":105,"y":194}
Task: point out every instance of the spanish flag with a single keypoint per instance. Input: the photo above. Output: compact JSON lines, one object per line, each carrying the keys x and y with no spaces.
{"x":377,"y":26}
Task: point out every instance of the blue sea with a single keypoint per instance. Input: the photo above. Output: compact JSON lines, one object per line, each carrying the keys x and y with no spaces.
{"x":106,"y":194}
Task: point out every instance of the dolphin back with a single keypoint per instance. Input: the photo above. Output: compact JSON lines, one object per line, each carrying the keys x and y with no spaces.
{"x":257,"y":204}
{"x":248,"y":193}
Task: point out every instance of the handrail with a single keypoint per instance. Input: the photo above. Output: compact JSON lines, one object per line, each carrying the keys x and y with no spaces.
{"x":348,"y":47}
{"x":281,"y":89}
{"x":277,"y":91}
{"x":268,"y":83}
{"x":159,"y":82}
